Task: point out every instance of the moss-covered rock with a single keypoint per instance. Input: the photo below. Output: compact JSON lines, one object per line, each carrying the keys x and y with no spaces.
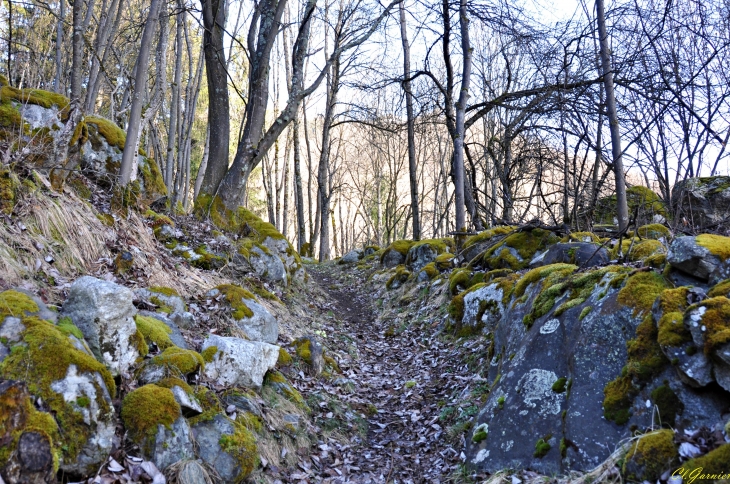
{"x":400,"y":276}
{"x":9,"y":186}
{"x":654,"y":231}
{"x":426,"y":251}
{"x":395,"y":254}
{"x":75,"y":388}
{"x":640,"y":199}
{"x":711,"y":466}
{"x":650,"y":456}
{"x":147,"y":407}
{"x":517,"y":249}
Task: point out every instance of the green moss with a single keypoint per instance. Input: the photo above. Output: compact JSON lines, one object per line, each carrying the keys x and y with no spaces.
{"x":716,"y":244}
{"x":240,"y":221}
{"x":443,"y":261}
{"x":654,"y":231}
{"x":280,"y":384}
{"x":459,"y":280}
{"x":331,"y":363}
{"x":526,"y":244}
{"x":651,"y":455}
{"x":285,"y":358}
{"x":209,"y":353}
{"x":641,"y":290}
{"x":209,"y":402}
{"x":720,"y":289}
{"x":250,"y":421}
{"x":302,"y":346}
{"x":581,"y":237}
{"x":668,"y":403}
{"x":14,"y":303}
{"x":113,"y":134}
{"x":430,"y":270}
{"x":711,"y":466}
{"x":559,"y":385}
{"x":9,"y":185}
{"x":241,"y":445}
{"x":585,"y":312}
{"x":39,"y":97}
{"x":673,"y":303}
{"x":456,"y":307}
{"x":154,"y":183}
{"x":44,"y":358}
{"x":67,"y":327}
{"x":400,"y":246}
{"x":172,"y":381}
{"x":478,"y":435}
{"x":487,"y":235}
{"x":235,"y":296}
{"x":17,"y":415}
{"x":147,"y":407}
{"x":154,"y":330}
{"x":179,"y":360}
{"x":10,"y":117}
{"x":645,"y":249}
{"x":207,"y":260}
{"x":617,"y":397}
{"x":716,"y":320}
{"x":542,"y":447}
{"x":401,"y":275}
{"x":137,"y":339}
{"x":542,"y":274}
{"x":106,"y":219}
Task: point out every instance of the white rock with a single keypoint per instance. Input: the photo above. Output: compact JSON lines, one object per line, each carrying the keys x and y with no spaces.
{"x":104,"y":313}
{"x":239,"y":362}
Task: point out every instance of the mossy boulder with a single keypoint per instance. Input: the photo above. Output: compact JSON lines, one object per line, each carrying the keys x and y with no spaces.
{"x":399,"y":277}
{"x":104,"y":313}
{"x":516,"y":250}
{"x":650,"y":456}
{"x":426,"y":251}
{"x":476,"y":244}
{"x":582,"y":254}
{"x":238,"y":362}
{"x":30,"y":437}
{"x":154,"y":421}
{"x":705,"y":257}
{"x":251,"y":317}
{"x":75,"y":388}
{"x":654,"y":231}
{"x":310,"y":351}
{"x":227,"y":446}
{"x":703,"y":202}
{"x":641,"y":200}
{"x":352,"y":257}
{"x":395,"y":254}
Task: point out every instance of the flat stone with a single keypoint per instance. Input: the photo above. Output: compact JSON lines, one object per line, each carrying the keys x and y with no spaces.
{"x":239,"y":362}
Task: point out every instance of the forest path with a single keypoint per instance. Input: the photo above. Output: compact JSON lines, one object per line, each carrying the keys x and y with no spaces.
{"x":407,"y":377}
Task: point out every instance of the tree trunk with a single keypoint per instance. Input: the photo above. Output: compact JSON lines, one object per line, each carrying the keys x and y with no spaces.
{"x":460,"y":115}
{"x":61,"y":144}
{"x":174,"y":109}
{"x":622,"y":210}
{"x":135,"y":112}
{"x":103,"y":49}
{"x":59,"y":45}
{"x":214,"y":21}
{"x":413,"y":178}
{"x":203,"y":164}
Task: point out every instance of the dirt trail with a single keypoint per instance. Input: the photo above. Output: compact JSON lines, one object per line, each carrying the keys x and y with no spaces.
{"x":407,"y":378}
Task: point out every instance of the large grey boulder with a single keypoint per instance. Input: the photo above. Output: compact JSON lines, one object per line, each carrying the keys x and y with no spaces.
{"x":172,"y":444}
{"x":261,"y":326}
{"x":283,"y":249}
{"x":239,"y":362}
{"x":424,"y":252}
{"x":104,"y":313}
{"x":352,"y":257}
{"x":582,"y":254}
{"x":690,"y":255}
{"x":210,"y":434}
{"x":392,"y":258}
{"x":550,"y":372}
{"x":703,"y":201}
{"x":267,"y":266}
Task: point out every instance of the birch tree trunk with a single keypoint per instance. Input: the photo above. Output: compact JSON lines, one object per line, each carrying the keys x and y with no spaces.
{"x":135,"y":112}
{"x":460,"y":131}
{"x":412,"y":169}
{"x":622,"y":209}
